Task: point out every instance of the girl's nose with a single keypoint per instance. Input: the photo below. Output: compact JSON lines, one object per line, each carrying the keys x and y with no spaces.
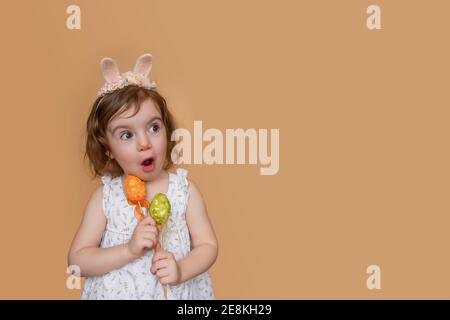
{"x":144,"y":144}
{"x":143,"y":147}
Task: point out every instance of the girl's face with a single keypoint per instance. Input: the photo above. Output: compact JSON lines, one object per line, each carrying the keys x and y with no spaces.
{"x":134,"y":140}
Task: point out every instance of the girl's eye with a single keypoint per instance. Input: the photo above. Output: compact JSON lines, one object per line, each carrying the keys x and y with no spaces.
{"x":126,"y":135}
{"x":154,"y":127}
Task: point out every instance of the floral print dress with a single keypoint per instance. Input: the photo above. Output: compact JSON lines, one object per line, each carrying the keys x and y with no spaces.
{"x":134,"y":280}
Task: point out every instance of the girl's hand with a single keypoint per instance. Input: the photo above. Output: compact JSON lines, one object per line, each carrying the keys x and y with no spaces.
{"x":166,"y":268}
{"x":145,"y":236}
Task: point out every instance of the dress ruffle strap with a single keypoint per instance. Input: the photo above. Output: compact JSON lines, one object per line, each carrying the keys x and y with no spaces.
{"x":106,"y":179}
{"x":182,"y":176}
{"x":183,"y":184}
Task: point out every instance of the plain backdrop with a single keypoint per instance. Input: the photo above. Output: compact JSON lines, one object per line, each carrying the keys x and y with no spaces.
{"x":363,"y":119}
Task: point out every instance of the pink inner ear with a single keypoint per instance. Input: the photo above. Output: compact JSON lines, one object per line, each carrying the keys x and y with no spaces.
{"x":110,"y":70}
{"x":143,"y":65}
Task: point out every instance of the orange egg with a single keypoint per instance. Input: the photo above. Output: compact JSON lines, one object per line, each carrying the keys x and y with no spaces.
{"x":135,"y":189}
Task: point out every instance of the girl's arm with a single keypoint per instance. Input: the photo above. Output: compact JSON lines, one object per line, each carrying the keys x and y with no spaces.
{"x":85,"y":252}
{"x":204,"y":241}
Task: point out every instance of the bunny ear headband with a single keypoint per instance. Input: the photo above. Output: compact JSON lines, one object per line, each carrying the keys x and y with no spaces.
{"x":115,"y":80}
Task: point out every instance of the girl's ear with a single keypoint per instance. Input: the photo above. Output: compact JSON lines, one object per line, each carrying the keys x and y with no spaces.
{"x":109,"y":69}
{"x":143,"y":65}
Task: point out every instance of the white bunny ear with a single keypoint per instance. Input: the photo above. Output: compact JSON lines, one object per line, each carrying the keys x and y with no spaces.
{"x":143,"y":65}
{"x":109,"y":69}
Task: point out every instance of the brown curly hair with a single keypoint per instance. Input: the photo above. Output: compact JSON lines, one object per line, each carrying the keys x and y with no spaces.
{"x":106,"y":108}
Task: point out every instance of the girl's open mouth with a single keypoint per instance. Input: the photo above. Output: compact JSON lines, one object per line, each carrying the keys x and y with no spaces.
{"x":148,"y":165}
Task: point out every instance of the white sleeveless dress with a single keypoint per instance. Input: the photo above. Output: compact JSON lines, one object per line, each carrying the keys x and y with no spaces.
{"x":134,"y":280}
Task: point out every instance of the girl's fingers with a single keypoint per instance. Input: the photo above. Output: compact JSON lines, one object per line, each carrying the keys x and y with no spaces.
{"x":148,"y":243}
{"x":149,"y":234}
{"x":156,"y":256}
{"x":148,"y":221}
{"x":164,"y":280}
{"x":162,"y":273}
{"x":161,"y":264}
{"x":154,"y":267}
{"x":159,"y":255}
{"x":148,"y":228}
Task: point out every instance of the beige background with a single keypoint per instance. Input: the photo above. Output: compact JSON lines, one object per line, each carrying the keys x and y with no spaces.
{"x":363,"y":119}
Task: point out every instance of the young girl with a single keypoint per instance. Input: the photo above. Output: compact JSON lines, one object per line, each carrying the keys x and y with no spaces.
{"x":128,"y":133}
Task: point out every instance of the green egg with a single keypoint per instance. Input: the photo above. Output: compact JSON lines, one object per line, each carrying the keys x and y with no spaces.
{"x":160,"y":208}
